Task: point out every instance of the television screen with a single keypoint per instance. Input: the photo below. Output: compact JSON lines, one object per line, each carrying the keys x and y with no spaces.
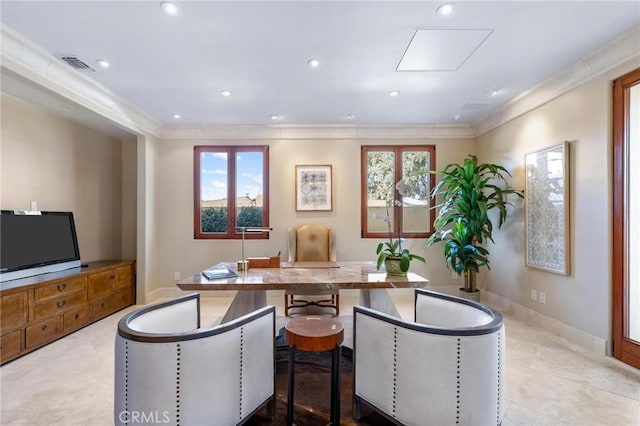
{"x":29,"y":241}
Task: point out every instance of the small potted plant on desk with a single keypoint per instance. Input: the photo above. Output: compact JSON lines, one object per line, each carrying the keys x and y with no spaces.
{"x":395,"y":258}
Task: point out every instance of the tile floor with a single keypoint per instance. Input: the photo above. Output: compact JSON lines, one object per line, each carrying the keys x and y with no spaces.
{"x":548,"y":380}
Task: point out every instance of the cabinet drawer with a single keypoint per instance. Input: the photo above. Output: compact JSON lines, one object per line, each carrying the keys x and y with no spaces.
{"x":42,"y":332}
{"x":10,"y":345}
{"x":75,"y":319}
{"x":123,"y":298}
{"x":101,"y":284}
{"x":102,"y":307}
{"x":124,"y":277}
{"x":14,"y":310}
{"x":59,"y":304}
{"x":62,"y":287}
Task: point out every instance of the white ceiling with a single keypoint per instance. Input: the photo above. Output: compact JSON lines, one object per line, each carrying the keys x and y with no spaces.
{"x":168,"y":65}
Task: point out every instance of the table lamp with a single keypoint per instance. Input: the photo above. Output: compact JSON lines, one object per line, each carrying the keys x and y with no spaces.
{"x":243,"y":265}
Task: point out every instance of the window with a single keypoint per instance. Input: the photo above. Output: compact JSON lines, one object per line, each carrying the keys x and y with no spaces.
{"x":231,"y":189}
{"x":384,"y":208}
{"x":626,"y":218}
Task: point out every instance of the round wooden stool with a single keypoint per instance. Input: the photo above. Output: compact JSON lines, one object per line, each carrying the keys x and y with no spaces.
{"x":315,"y":334}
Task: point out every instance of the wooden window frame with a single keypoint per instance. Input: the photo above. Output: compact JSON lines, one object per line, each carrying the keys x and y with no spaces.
{"x":397,"y":150}
{"x":623,"y":349}
{"x":231,"y":152}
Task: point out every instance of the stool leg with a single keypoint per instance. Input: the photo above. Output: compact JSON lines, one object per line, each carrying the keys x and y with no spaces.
{"x":335,"y":386}
{"x":292,"y":360}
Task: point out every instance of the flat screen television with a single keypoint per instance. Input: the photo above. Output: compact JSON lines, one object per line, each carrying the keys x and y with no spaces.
{"x":33,"y":244}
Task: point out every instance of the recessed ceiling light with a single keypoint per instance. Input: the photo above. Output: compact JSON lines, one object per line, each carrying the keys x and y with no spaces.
{"x":494,"y":92}
{"x":445,"y":9}
{"x":313,"y":63}
{"x":394,"y":93}
{"x":457,"y":117}
{"x":176,"y":116}
{"x":225,"y":93}
{"x":169,"y":8}
{"x":103,"y":63}
{"x":350,"y":116}
{"x":274,"y":117}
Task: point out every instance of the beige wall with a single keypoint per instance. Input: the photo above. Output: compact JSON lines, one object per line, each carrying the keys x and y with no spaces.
{"x":583,"y":117}
{"x":67,"y":167}
{"x":177,"y":251}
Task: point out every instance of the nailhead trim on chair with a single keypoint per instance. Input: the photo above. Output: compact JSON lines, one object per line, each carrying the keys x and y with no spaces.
{"x":126,"y":380}
{"x":499,"y":369}
{"x":241,"y":364}
{"x":458,"y":383}
{"x":395,"y":369}
{"x":178,"y":384}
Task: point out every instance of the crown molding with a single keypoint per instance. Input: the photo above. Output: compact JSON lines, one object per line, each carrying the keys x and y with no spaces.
{"x":329,"y":131}
{"x":623,"y":48}
{"x":28,"y":60}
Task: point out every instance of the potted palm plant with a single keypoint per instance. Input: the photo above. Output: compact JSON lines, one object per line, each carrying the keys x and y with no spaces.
{"x":469,"y":192}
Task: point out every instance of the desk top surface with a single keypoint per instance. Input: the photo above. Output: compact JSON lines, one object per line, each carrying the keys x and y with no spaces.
{"x":344,"y":275}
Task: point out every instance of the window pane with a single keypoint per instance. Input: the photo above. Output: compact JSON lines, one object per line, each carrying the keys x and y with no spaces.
{"x":633,"y":214}
{"x":415,"y":199}
{"x":249,"y":188}
{"x":380,"y":191}
{"x":213,"y":192}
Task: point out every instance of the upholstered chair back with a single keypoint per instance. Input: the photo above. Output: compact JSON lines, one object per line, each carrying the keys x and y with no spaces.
{"x":311,"y":243}
{"x":446,"y":368}
{"x":170,"y":371}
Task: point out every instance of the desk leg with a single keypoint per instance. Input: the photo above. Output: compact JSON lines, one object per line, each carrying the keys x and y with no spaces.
{"x":246,"y":301}
{"x":379,"y":300}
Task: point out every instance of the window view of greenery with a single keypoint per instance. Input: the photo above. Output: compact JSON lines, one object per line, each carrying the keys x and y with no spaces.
{"x":409,"y":208}
{"x":230,"y":200}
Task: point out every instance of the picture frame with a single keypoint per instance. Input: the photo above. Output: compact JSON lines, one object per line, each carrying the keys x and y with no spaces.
{"x":314,"y":187}
{"x":547,"y":209}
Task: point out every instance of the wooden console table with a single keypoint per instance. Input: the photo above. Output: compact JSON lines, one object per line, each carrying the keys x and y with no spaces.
{"x":253,"y":284}
{"x":37,"y":310}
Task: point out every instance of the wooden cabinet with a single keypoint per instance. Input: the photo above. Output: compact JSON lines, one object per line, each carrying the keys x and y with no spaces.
{"x":10,"y":345}
{"x":42,"y":332}
{"x":14,"y":310}
{"x":44,"y":308}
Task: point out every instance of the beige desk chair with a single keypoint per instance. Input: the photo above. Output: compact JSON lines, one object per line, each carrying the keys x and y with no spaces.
{"x":312,"y":243}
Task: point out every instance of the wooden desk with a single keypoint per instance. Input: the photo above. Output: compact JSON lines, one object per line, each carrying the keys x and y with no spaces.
{"x":253,"y":284}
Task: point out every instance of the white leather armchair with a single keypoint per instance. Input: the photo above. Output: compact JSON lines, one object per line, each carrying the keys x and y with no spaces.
{"x":170,"y":371}
{"x":446,"y":368}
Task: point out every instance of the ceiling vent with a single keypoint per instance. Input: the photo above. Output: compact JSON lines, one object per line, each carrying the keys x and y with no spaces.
{"x":77,"y":63}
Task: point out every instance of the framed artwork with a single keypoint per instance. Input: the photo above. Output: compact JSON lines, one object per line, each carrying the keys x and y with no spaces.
{"x":547,"y":209}
{"x":313,"y":187}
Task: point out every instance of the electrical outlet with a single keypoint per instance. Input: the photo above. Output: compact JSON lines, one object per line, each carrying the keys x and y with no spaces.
{"x":543,"y":297}
{"x":176,"y":276}
{"x":534,"y":294}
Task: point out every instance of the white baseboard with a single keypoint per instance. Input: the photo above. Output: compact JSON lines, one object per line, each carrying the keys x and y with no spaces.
{"x":528,"y":315}
{"x":169,"y":292}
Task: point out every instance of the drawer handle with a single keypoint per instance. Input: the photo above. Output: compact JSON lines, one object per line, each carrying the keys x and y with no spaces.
{"x":112,"y":277}
{"x":102,"y":305}
{"x":61,"y":304}
{"x":62,"y":286}
{"x":77,"y":316}
{"x":44,"y":327}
